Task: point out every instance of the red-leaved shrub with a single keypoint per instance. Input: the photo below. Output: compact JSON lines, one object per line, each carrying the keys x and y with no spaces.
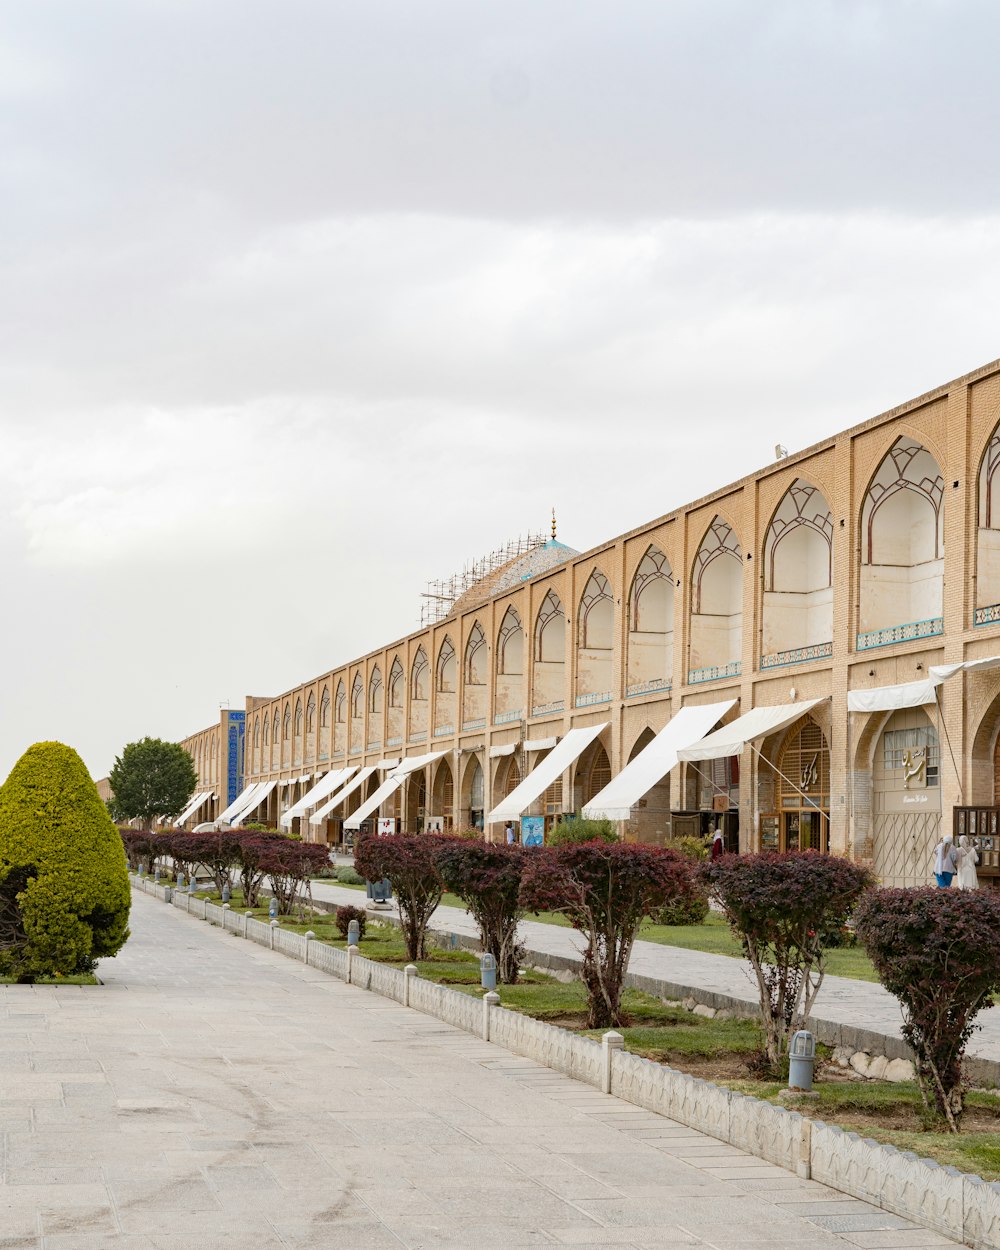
{"x":345,"y":914}
{"x":486,"y":876}
{"x":937,"y":952}
{"x":409,"y":860}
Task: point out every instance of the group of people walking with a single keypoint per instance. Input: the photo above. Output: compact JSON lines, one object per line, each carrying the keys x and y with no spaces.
{"x":956,"y":863}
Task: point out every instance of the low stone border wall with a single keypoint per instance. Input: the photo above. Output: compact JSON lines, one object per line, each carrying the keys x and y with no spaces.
{"x":962,"y":1207}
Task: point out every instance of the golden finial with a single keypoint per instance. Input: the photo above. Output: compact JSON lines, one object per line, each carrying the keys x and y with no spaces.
{"x":553,"y":524}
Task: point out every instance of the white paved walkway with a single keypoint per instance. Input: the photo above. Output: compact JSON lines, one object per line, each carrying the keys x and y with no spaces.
{"x":213,"y":1094}
{"x":861,"y":1004}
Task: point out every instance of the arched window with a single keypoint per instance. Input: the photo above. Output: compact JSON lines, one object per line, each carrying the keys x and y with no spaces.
{"x":311,"y":713}
{"x":298,"y":718}
{"x":475,"y":658}
{"x":902,"y":548}
{"x":375,"y":691}
{"x":717,"y":605}
{"x":446,"y":667}
{"x":340,"y":703}
{"x":987,"y":607}
{"x":324,"y":708}
{"x":286,"y":723}
{"x":357,"y":698}
{"x":596,"y":616}
{"x":396,"y":684}
{"x":418,"y":677}
{"x":510,"y":644}
{"x":797,"y":619}
{"x":550,"y":631}
{"x":651,"y":625}
{"x":276,"y":727}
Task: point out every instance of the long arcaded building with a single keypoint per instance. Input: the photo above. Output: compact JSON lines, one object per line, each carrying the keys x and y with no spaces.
{"x":803,"y":657}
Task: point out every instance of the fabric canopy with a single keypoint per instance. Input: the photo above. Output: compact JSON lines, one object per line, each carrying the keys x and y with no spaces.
{"x":651,"y":765}
{"x":193,"y":805}
{"x":539,"y":744}
{"x":200,"y":802}
{"x":889,"y":698}
{"x":507,"y":748}
{"x":343,"y":793}
{"x":757,"y":723}
{"x":325,"y":786}
{"x":238,"y":803}
{"x":945,"y":671}
{"x":541,"y":777}
{"x":388,"y":787}
{"x":387,"y":765}
{"x":256,"y":799}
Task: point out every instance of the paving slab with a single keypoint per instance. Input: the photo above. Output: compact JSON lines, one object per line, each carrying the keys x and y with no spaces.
{"x":213,"y":1091}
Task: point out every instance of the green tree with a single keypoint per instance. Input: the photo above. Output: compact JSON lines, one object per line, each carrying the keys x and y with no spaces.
{"x":64,"y":890}
{"x":151,"y":778}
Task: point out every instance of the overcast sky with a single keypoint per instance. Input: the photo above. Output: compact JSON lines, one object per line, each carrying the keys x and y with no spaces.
{"x":303,"y":303}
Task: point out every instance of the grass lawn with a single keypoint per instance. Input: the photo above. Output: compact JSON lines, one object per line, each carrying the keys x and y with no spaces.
{"x":76,"y":978}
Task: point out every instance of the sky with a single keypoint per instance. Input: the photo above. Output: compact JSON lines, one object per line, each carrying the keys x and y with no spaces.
{"x":303,"y":304}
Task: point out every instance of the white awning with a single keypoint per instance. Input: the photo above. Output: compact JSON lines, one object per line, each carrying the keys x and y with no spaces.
{"x":411,"y":764}
{"x":508,"y":748}
{"x":345,"y":792}
{"x":386,"y":766}
{"x":318,"y":792}
{"x":255,"y":801}
{"x":539,"y":744}
{"x":651,"y":765}
{"x":541,"y":777}
{"x":945,"y":671}
{"x":239,"y":802}
{"x":890,"y":698}
{"x":757,"y":723}
{"x":200,"y":802}
{"x":195,"y":802}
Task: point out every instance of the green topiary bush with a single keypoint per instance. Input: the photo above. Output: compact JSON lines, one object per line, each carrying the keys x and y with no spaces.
{"x":64,"y":889}
{"x":692,"y":910}
{"x":347,"y":876}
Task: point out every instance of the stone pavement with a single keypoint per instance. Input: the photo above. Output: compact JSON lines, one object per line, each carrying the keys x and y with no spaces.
{"x":214,"y":1094}
{"x":862,"y":1005}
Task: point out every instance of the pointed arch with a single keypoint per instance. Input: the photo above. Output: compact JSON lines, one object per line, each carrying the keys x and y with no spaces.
{"x":509,"y":695}
{"x":341,"y":703}
{"x":375,"y":691}
{"x":797,"y":612}
{"x":902,"y":548}
{"x":286,"y":723}
{"x":476,"y":676}
{"x":298,"y":718}
{"x":987,"y":605}
{"x":595,"y":641}
{"x":419,"y":694}
{"x":446,"y":671}
{"x":548,"y":673}
{"x":324,"y":708}
{"x":716,"y":605}
{"x":473,"y":794}
{"x":443,"y":794}
{"x":256,"y":731}
{"x":475,"y":657}
{"x":651,"y":625}
{"x":396,"y":684}
{"x":311,"y":713}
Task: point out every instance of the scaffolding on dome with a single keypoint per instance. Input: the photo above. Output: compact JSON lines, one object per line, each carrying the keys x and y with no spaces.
{"x":442,"y":594}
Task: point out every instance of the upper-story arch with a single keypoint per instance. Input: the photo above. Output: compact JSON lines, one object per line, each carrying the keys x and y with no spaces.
{"x":476,"y":679}
{"x":902,"y":548}
{"x":340,"y":719}
{"x":548,"y":687}
{"x":419,"y":692}
{"x":375,"y":700}
{"x":396,"y":697}
{"x":797,"y":611}
{"x":357,"y":712}
{"x":716,"y":605}
{"x":987,"y":606}
{"x":325,"y":745}
{"x":311,"y":713}
{"x":286,"y":735}
{"x":595,"y":641}
{"x":651,"y":625}
{"x":445,"y":685}
{"x":509,"y":701}
{"x":298,"y":718}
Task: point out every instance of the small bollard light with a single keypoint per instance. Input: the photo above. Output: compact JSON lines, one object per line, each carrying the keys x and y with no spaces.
{"x":353,"y":933}
{"x":488,"y":971}
{"x":801,"y":1060}
{"x":227,"y":893}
